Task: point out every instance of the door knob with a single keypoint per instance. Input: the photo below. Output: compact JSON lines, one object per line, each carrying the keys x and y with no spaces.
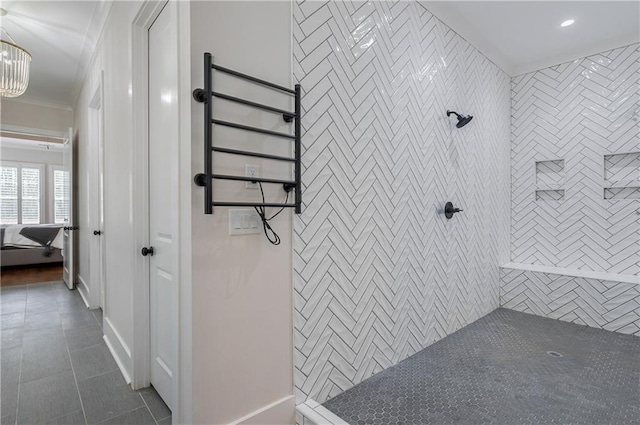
{"x":97,"y":232}
{"x":449,"y":210}
{"x":147,"y":251}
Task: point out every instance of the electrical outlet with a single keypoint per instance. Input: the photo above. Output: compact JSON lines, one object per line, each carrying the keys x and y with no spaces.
{"x":251,"y":171}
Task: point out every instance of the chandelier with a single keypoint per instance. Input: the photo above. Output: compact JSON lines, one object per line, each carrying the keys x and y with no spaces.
{"x":14,"y":67}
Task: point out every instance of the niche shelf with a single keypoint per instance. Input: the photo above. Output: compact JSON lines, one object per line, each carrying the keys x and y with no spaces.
{"x":614,"y":193}
{"x":622,"y":176}
{"x":550,"y":180}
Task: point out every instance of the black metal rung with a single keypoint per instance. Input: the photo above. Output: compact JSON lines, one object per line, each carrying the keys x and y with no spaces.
{"x":254,"y":104}
{"x":249,"y":204}
{"x":253,"y":154}
{"x":252,"y":79}
{"x":254,"y":129}
{"x":253,"y":179}
{"x":205,"y":179}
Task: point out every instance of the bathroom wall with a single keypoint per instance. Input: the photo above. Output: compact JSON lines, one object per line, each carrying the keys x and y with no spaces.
{"x":379,"y":273}
{"x":242,"y":291}
{"x":571,"y":118}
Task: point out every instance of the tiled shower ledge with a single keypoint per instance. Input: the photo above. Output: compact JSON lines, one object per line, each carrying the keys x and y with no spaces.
{"x":627,"y":278}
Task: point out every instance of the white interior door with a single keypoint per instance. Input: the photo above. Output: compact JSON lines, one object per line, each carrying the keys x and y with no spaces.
{"x":96,"y":199}
{"x":163,"y":201}
{"x":66,"y":208}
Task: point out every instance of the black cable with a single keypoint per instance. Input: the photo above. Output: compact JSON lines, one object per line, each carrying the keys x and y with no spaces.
{"x":274,"y":239}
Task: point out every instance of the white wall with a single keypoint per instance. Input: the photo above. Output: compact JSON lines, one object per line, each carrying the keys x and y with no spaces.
{"x":379,"y":272}
{"x":48,"y":158}
{"x":578,"y":112}
{"x":113,"y":57}
{"x":30,"y":116}
{"x":242,"y":306}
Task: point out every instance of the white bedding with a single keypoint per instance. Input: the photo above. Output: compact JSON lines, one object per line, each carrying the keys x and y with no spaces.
{"x":12,"y":236}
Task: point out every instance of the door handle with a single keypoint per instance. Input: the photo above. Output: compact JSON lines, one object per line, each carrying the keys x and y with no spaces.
{"x":147,"y":251}
{"x":97,"y":232}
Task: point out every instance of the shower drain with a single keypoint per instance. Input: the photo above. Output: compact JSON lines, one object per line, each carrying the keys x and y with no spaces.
{"x":554,"y":354}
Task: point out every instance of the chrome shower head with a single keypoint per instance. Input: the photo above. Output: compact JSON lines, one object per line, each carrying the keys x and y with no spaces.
{"x":462,"y":119}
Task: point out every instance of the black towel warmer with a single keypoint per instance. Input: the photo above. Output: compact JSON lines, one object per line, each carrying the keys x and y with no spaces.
{"x":206,"y":95}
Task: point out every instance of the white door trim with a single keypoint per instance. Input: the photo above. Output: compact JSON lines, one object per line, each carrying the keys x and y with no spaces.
{"x":184,"y":376}
{"x":147,"y":13}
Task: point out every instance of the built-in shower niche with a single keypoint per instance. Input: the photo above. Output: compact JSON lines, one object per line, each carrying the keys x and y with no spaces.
{"x":550,"y":180}
{"x":622,"y":176}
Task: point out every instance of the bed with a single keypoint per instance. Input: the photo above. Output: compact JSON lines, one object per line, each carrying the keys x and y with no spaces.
{"x":30,"y":244}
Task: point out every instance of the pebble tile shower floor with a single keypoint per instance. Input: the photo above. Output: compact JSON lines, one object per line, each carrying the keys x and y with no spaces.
{"x":498,"y":371}
{"x":57,"y":369}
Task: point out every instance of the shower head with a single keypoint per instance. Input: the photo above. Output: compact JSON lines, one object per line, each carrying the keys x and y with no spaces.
{"x":462,"y":119}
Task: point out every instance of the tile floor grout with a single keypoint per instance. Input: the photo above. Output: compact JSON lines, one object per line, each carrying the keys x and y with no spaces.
{"x":73,"y":370}
{"x":52,"y":292}
{"x":497,"y":370}
{"x":24,"y":319}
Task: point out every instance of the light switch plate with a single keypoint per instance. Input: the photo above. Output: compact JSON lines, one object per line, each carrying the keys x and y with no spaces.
{"x":244,"y":222}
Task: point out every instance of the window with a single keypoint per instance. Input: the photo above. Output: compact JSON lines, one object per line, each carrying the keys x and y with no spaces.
{"x":21,"y":193}
{"x":60,"y":196}
{"x":9,"y":195}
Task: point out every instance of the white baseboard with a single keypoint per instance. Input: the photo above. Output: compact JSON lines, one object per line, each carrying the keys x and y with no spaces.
{"x":119,"y":349}
{"x":280,"y":412}
{"x":83,"y":290}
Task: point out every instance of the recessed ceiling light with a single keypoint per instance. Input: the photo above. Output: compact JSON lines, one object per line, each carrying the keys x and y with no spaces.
{"x":567,"y":23}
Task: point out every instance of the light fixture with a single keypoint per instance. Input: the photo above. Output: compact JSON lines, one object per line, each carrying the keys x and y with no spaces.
{"x":14,"y":67}
{"x":567,"y":23}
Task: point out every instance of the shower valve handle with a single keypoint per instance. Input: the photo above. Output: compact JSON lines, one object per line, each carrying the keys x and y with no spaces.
{"x":449,"y":210}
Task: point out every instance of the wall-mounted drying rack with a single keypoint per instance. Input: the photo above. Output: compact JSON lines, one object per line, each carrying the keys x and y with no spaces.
{"x":205,"y":95}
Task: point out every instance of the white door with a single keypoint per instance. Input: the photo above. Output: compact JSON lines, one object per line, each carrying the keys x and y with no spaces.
{"x":163,"y":201}
{"x":96,"y":199}
{"x":66,"y":208}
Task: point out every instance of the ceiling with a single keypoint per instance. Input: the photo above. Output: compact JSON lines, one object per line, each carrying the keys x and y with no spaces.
{"x":519,"y":36}
{"x":524,"y":36}
{"x":61,"y":37}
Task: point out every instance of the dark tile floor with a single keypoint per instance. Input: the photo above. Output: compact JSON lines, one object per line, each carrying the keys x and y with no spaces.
{"x":56,"y":368}
{"x":497,"y":371}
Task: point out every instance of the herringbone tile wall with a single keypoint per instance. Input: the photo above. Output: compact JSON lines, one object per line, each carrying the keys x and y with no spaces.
{"x":609,"y":305}
{"x":580,"y":112}
{"x":379,"y":273}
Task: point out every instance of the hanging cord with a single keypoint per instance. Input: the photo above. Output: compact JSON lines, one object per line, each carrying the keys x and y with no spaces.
{"x":270,"y":234}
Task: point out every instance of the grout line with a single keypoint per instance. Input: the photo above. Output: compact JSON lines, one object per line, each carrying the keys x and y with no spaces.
{"x":123,"y":413}
{"x":24,"y":326}
{"x":73,"y":370}
{"x":148,"y":408}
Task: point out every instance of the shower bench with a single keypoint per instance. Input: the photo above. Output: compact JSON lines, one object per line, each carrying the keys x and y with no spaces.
{"x":602,"y":300}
